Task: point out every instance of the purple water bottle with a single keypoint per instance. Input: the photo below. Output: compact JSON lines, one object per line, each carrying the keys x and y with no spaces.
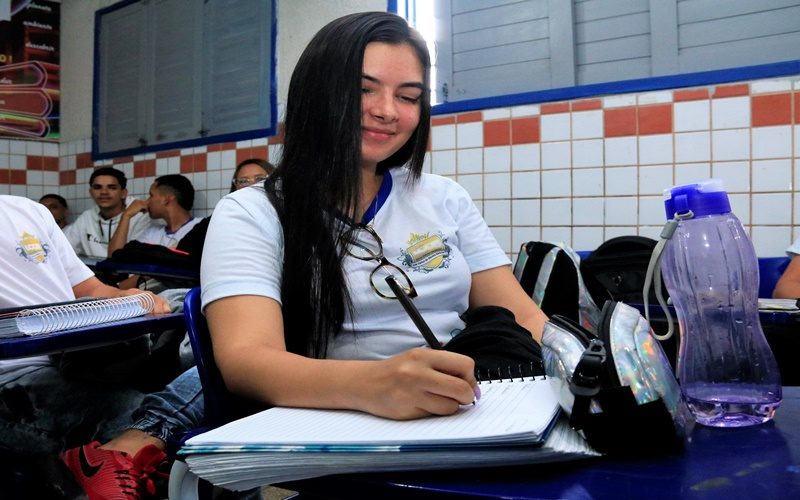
{"x":725,"y":366}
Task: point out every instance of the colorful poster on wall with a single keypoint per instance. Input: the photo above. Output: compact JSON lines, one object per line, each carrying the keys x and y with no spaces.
{"x":29,"y":69}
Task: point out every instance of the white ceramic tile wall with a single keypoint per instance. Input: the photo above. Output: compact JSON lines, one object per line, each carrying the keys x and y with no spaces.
{"x":574,"y":182}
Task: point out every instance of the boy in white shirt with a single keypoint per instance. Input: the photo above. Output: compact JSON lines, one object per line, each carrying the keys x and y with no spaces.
{"x":90,"y":234}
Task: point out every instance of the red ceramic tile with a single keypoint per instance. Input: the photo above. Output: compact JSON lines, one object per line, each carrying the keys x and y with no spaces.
{"x":655,"y":119}
{"x":187,"y":164}
{"x":149,"y":168}
{"x":17,"y":177}
{"x":525,"y":130}
{"x":773,"y":109}
{"x":214,"y":147}
{"x":241,"y":155}
{"x":129,"y":159}
{"x":33,"y":162}
{"x":67,"y":177}
{"x":4,"y":176}
{"x":690,"y":95}
{"x":50,"y":163}
{"x":797,"y":108}
{"x":472,"y":116}
{"x":200,"y":162}
{"x":260,"y":152}
{"x":83,"y":160}
{"x":496,"y":133}
{"x":586,"y":105}
{"x":619,"y":122}
{"x":555,"y":107}
{"x":731,"y":90}
{"x":138,"y":169}
{"x":167,"y":154}
{"x":443,"y":120}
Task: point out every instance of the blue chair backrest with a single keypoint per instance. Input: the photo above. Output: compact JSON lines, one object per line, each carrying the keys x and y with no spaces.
{"x":220,"y":405}
{"x":770,"y":270}
{"x":214,"y":391}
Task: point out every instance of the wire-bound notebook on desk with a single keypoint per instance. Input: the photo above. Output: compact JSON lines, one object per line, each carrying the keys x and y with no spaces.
{"x":46,"y":318}
{"x":515,"y":422}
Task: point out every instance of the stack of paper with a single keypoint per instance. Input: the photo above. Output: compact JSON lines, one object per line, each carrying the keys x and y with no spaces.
{"x":513,"y":423}
{"x":784,"y":305}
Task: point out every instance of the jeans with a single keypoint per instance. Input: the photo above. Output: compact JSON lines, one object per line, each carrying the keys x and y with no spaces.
{"x":42,"y":412}
{"x":174,"y":410}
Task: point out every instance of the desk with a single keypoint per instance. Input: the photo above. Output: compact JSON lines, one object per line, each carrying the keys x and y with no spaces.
{"x":754,"y":463}
{"x":89,"y":336}
{"x":172,"y":277}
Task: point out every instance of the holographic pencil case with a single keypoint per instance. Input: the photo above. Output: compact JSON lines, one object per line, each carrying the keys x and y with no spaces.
{"x":616,"y":384}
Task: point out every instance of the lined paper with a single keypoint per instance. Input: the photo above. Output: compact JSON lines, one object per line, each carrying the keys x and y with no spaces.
{"x":508,"y":412}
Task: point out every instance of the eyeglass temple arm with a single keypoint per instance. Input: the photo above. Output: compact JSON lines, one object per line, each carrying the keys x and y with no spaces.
{"x":413,"y":313}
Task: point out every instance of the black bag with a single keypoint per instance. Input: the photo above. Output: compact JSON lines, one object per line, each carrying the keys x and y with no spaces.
{"x":136,"y":252}
{"x":617,"y":270}
{"x":616,"y":384}
{"x":500,"y":347}
{"x":192,"y":243}
{"x":549,"y":273}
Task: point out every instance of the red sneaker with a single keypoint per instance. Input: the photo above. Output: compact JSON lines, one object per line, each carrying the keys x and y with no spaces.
{"x":109,"y":474}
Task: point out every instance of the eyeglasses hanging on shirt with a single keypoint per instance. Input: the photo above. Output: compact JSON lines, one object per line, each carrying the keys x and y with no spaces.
{"x":388,"y":280}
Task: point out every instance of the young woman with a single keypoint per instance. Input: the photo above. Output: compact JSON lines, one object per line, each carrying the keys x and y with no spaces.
{"x":298,"y":315}
{"x":250,"y":171}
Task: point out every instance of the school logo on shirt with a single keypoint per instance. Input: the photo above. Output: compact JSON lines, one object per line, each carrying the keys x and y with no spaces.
{"x":426,"y":252}
{"x":31,"y":249}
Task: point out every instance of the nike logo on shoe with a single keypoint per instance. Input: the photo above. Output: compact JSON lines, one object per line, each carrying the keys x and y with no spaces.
{"x":88,"y":469}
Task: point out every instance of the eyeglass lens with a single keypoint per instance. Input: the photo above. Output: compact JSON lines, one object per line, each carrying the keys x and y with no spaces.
{"x":385,"y":270}
{"x":246,"y":181}
{"x":363,"y":244}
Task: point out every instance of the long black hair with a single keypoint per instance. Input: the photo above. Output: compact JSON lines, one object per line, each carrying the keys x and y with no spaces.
{"x":320,"y":169}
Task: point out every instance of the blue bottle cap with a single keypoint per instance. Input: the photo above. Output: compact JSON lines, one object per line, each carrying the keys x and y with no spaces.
{"x":707,"y":197}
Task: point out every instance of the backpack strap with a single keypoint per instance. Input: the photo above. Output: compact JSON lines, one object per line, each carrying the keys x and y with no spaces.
{"x":549,"y":273}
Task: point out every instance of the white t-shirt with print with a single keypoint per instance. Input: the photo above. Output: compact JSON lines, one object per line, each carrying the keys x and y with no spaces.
{"x":156,"y":233}
{"x":432,"y":230}
{"x":37,"y":263}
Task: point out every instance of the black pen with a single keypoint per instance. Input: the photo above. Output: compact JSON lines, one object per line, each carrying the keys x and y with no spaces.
{"x":413,"y":313}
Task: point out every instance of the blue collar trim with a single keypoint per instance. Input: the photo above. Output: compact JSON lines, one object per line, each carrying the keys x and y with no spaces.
{"x":380,"y":198}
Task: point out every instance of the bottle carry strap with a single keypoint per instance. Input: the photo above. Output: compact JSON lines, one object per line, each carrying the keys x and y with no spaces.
{"x":653,"y":275}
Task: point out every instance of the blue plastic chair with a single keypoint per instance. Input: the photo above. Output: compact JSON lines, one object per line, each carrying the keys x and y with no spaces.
{"x":220,"y":405}
{"x":770,"y":270}
{"x":215,"y":393}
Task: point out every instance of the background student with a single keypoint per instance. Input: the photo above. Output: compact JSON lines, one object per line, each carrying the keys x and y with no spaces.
{"x":788,"y":285}
{"x":250,"y":171}
{"x":57,"y":206}
{"x":171,"y":200}
{"x":170,"y":219}
{"x":89,"y":235}
{"x":41,"y":411}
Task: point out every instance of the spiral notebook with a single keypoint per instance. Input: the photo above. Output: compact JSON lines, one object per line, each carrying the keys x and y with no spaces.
{"x":515,"y":422}
{"x":45,"y":318}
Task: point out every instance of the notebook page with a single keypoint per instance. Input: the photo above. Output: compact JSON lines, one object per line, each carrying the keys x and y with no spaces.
{"x":507,"y":412}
